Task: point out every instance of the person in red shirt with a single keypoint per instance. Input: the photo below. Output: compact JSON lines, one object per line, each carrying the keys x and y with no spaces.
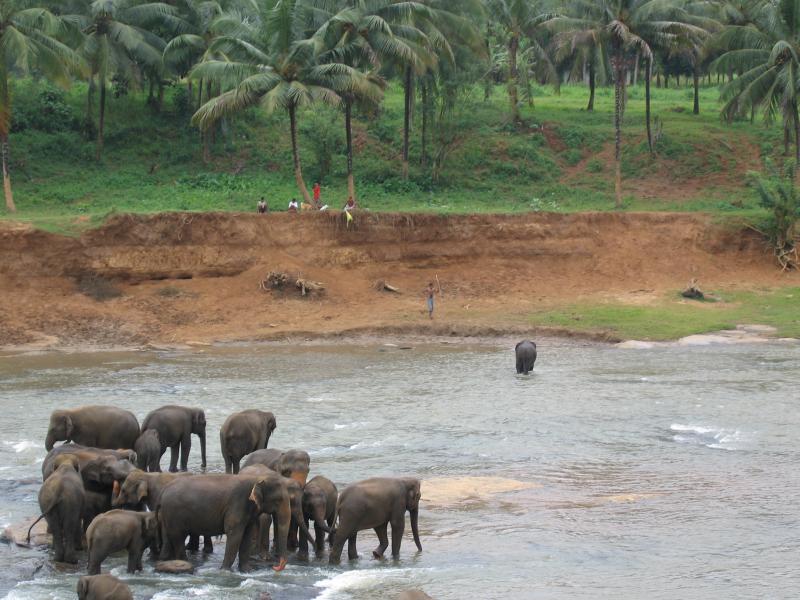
{"x":317,"y":193}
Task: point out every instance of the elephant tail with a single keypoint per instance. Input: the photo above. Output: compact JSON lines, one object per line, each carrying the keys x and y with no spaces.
{"x":41,"y":516}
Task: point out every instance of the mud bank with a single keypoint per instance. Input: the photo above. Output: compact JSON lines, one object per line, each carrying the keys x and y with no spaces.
{"x":194,"y":277}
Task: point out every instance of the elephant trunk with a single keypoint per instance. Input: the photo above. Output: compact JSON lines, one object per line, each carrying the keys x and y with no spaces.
{"x":283,"y":518}
{"x":415,"y":527}
{"x":300,"y":477}
{"x":202,"y":437}
{"x":319,"y":518}
{"x":50,"y":441}
{"x":301,"y":523}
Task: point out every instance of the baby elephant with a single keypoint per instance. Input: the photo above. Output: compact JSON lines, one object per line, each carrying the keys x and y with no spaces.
{"x":319,"y":505}
{"x":118,"y":530}
{"x":373,"y":504}
{"x":61,"y":499}
{"x":526,"y":356}
{"x":102,"y":587}
{"x":148,"y":451}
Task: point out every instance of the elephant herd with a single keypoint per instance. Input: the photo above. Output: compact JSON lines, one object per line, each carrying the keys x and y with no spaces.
{"x":104,"y":485}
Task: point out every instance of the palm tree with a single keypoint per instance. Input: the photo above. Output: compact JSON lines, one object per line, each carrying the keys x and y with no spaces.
{"x":768,"y":48}
{"x":587,"y":51}
{"x":270,"y":62}
{"x":117,"y":40}
{"x":627,"y":28}
{"x":28,"y":39}
{"x":517,"y":23}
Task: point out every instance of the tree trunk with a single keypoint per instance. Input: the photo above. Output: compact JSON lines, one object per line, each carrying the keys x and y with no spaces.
{"x":648,"y":73}
{"x":592,"y":84}
{"x":90,"y":100}
{"x":151,"y":97}
{"x":423,"y":159}
{"x":298,"y":173}
{"x":619,"y":74}
{"x":409,"y":80}
{"x":102,"y":122}
{"x":207,"y":133}
{"x":348,"y":108}
{"x":160,"y":104}
{"x":5,"y":127}
{"x":696,"y":76}
{"x":636,"y":69}
{"x":513,"y":74}
{"x":796,"y":136}
{"x":200,"y":93}
{"x":666,"y":81}
{"x":786,"y":138}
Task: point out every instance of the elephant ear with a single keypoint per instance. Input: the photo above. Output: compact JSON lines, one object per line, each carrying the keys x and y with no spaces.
{"x":257,"y":494}
{"x":91,"y":471}
{"x":141,"y":491}
{"x":68,"y":427}
{"x":517,"y":346}
{"x":413,"y":494}
{"x":198,"y":420}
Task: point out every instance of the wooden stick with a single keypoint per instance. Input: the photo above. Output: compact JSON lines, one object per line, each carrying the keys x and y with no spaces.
{"x":439,"y":285}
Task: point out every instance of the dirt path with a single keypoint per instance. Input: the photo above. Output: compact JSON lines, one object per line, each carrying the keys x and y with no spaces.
{"x":195,"y":277}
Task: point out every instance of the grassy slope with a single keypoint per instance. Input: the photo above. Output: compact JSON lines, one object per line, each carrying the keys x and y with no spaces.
{"x":492,"y":169}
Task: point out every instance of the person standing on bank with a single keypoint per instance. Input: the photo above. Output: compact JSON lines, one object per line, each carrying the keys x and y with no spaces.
{"x":317,"y":195}
{"x":429,"y":294}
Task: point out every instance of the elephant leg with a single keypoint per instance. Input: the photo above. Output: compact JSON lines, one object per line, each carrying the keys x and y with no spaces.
{"x":72,"y":533}
{"x":245,"y":546}
{"x":58,"y":538}
{"x":330,"y":522}
{"x":319,"y":535}
{"x":303,"y":545}
{"x":383,"y":540}
{"x":174,"y":547}
{"x":520,"y":366}
{"x":135,"y":552}
{"x":173,"y":459}
{"x":398,"y":525}
{"x":338,"y":544}
{"x":194,"y":543}
{"x":265,"y":523}
{"x":94,"y":562}
{"x":208,"y":545}
{"x":352,"y":553}
{"x":235,"y":462}
{"x":155,"y":465}
{"x":233,"y":540}
{"x":186,"y":446}
{"x":292,"y":541}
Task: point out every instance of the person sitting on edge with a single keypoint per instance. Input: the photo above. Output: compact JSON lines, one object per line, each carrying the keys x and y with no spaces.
{"x":293,"y":205}
{"x":262,"y":206}
{"x":351,"y":204}
{"x":317,"y":193}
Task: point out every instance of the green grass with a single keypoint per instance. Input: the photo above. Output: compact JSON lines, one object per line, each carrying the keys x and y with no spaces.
{"x":152,"y":160}
{"x":672,"y":317}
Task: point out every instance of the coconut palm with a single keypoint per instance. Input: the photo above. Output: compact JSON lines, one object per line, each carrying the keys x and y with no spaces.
{"x":28,"y":40}
{"x":768,"y":50}
{"x":118,"y":40}
{"x":270,"y":62}
{"x":627,"y":28}
{"x":516,"y":23}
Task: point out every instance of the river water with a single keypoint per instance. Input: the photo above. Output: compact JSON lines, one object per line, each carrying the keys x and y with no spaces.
{"x":608,"y":473}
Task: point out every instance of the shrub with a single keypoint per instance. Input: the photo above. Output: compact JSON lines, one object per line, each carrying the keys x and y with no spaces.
{"x":573,"y":156}
{"x":98,"y":288}
{"x":325,"y":137}
{"x":594,"y":166}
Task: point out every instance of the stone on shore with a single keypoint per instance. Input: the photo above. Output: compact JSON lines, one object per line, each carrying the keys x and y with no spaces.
{"x":176,"y":567}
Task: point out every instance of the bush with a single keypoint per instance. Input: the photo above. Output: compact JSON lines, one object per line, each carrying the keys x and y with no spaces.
{"x":98,"y":288}
{"x":594,"y":166}
{"x":48,"y":112}
{"x":324,"y":132}
{"x":573,"y":156}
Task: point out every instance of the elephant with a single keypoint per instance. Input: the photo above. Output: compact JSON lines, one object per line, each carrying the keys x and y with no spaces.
{"x":295,"y":503}
{"x":148,"y":451}
{"x":526,"y":356}
{"x":95,"y":426}
{"x":243,"y":433}
{"x":102,"y":587}
{"x":61,"y":499}
{"x":217,"y":504}
{"x":374,"y":503}
{"x":291,"y":463}
{"x":95,"y":503}
{"x":175,"y":426}
{"x":141,"y":488}
{"x":319,"y":505}
{"x":85,"y":455}
{"x":118,"y":530}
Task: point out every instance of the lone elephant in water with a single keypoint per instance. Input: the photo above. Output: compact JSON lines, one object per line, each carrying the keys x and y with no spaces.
{"x":175,"y":426}
{"x":373,"y":504}
{"x":95,"y":426}
{"x":526,"y":356}
{"x":102,"y":587}
{"x":119,"y":530}
{"x":242,"y":433}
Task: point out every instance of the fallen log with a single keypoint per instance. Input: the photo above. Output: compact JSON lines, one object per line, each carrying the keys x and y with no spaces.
{"x":385,"y":286}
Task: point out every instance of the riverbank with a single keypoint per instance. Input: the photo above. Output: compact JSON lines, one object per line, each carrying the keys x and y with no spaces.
{"x":197,"y":278}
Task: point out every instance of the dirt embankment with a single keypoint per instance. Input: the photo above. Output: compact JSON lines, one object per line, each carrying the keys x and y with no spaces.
{"x":195,"y":277}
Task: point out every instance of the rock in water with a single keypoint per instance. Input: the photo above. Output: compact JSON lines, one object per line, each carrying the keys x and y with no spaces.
{"x":176,"y":567}
{"x":414,"y":595}
{"x":17,"y":533}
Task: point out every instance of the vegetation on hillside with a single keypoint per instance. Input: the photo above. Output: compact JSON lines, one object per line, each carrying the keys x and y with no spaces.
{"x":423,"y":104}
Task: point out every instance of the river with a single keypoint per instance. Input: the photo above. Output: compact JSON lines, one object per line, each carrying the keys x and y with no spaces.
{"x":669,"y":472}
